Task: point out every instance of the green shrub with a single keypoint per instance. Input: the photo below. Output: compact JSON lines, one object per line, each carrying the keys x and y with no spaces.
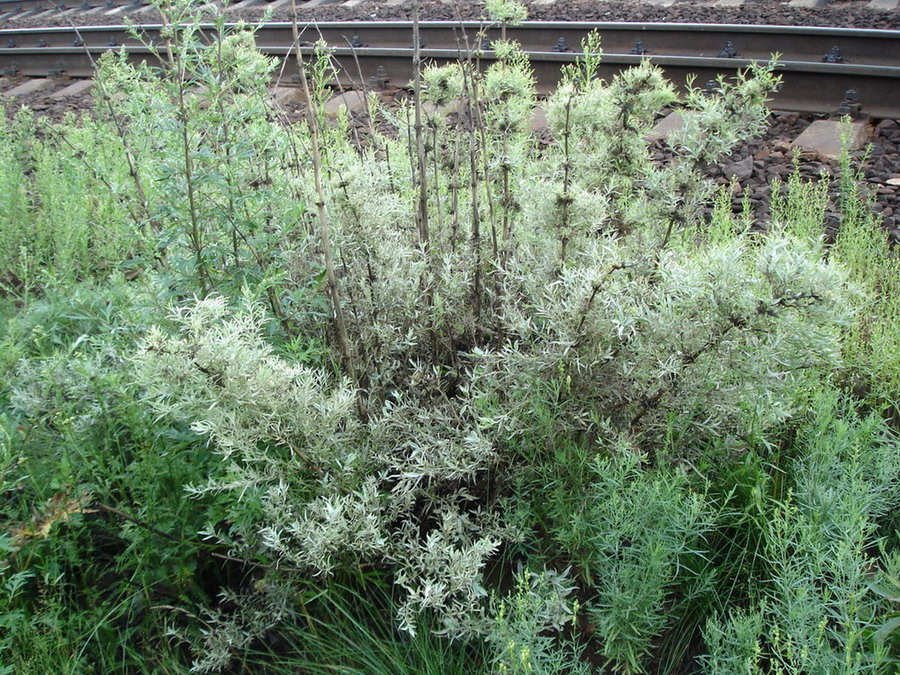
{"x":648,"y":335}
{"x":66,"y":214}
{"x":80,"y":450}
{"x":521,"y":624}
{"x":219,"y":179}
{"x":16,"y":265}
{"x":814,"y":609}
{"x":862,"y":248}
{"x":391,"y":365}
{"x":631,"y":534}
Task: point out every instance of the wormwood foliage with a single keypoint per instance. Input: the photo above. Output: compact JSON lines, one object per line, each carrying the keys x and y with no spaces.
{"x":55,"y":226}
{"x":527,"y":401}
{"x":815,"y":608}
{"x":876,"y":269}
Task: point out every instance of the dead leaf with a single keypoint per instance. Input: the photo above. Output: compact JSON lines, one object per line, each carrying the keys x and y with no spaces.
{"x":60,"y":507}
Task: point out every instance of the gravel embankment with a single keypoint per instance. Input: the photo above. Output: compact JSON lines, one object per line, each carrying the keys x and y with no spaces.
{"x":850,"y":14}
{"x":760,"y":162}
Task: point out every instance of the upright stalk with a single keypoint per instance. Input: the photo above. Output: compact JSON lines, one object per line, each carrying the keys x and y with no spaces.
{"x":435,"y":161}
{"x":421,"y":179}
{"x":454,"y":188}
{"x":235,"y":189}
{"x":471,"y":103}
{"x":485,"y":158}
{"x":340,"y":324}
{"x":123,"y":136}
{"x":566,"y":198}
{"x":422,"y":210}
{"x":506,"y":203}
{"x":195,"y":232}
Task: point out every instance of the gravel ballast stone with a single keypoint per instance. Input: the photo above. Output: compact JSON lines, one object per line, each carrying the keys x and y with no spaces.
{"x":762,"y":12}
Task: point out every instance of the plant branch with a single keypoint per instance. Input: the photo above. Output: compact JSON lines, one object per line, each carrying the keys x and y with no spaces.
{"x":325,"y":237}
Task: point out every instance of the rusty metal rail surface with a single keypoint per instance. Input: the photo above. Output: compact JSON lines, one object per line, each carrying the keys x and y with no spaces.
{"x":818,"y":64}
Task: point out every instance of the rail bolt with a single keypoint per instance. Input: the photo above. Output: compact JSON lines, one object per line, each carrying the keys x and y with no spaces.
{"x":380,"y":79}
{"x":355,"y":41}
{"x":561,"y":45}
{"x":42,"y":43}
{"x":78,"y":42}
{"x":728,"y":50}
{"x":850,"y":105}
{"x":11,"y":44}
{"x":486,"y":45}
{"x":833,"y":56}
{"x":638,"y":47}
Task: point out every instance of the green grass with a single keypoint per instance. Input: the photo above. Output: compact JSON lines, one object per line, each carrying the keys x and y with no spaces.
{"x":347,"y":631}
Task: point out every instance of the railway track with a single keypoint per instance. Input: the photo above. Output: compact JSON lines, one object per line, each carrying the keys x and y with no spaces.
{"x":818,"y":64}
{"x":14,"y":10}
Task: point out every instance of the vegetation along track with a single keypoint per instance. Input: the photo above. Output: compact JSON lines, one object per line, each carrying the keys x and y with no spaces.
{"x":818,"y":64}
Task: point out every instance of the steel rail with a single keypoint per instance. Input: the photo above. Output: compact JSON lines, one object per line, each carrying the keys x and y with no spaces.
{"x":810,"y":84}
{"x":857,"y":46}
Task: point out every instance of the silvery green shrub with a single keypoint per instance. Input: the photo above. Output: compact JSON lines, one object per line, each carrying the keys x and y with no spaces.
{"x":581,"y":268}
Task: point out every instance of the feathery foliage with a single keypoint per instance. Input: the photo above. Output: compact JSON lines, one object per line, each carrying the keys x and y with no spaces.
{"x":477,"y":403}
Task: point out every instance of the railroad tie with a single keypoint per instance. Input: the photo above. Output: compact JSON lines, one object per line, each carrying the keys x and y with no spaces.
{"x":28,"y":87}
